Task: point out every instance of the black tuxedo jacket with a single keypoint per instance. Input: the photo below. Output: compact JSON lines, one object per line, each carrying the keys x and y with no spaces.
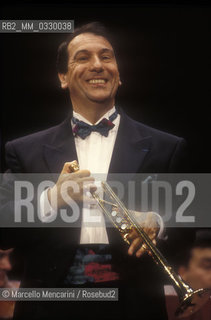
{"x":49,"y":252}
{"x":138,"y":148}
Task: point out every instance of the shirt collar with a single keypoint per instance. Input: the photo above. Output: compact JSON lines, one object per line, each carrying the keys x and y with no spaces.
{"x":106,"y":115}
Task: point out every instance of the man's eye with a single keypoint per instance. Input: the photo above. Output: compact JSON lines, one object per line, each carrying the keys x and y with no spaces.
{"x":106,"y":57}
{"x":82,"y":58}
{"x":206,"y":266}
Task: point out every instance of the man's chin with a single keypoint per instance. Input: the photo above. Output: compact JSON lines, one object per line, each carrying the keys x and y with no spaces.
{"x":99,"y":99}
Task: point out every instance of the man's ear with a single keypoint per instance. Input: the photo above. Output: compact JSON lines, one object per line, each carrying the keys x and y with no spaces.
{"x":63,"y":80}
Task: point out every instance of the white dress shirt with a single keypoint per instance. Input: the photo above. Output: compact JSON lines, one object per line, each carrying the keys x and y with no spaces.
{"x":94,"y":153}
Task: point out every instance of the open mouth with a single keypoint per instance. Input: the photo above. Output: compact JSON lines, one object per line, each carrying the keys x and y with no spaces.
{"x":97,"y":81}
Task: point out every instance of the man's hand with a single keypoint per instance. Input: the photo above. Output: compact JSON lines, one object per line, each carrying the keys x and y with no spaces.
{"x":150,"y":227}
{"x":71,"y":185}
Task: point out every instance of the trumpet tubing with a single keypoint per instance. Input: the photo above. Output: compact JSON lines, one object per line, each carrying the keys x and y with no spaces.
{"x":190,"y":301}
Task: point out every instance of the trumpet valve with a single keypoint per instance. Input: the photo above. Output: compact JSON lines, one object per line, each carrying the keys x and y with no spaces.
{"x":125,"y":237}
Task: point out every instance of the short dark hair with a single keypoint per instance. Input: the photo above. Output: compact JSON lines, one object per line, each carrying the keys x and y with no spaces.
{"x":203,"y":238}
{"x":96,"y":28}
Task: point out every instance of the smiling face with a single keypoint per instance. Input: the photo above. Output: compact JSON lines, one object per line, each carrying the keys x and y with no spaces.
{"x":93,"y":75}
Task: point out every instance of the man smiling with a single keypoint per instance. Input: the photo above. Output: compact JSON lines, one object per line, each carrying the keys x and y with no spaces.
{"x":104,"y":140}
{"x":92,"y":77}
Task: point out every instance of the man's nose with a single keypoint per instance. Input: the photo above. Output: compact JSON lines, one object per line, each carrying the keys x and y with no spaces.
{"x":96,"y":64}
{"x":5,"y":264}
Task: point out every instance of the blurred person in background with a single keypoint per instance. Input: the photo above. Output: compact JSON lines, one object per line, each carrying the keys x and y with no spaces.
{"x":5,"y":266}
{"x":194,"y":266}
{"x":6,"y":307}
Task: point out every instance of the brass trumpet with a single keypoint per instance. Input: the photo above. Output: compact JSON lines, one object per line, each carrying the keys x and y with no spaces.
{"x":190,"y":300}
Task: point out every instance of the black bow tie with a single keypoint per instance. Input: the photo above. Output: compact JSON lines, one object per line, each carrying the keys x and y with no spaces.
{"x":83,"y":129}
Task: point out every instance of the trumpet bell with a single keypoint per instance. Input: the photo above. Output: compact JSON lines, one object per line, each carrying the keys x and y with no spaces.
{"x":192,"y":302}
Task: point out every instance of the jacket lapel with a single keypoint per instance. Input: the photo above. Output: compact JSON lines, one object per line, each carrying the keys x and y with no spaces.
{"x":130,"y":148}
{"x":62,"y":148}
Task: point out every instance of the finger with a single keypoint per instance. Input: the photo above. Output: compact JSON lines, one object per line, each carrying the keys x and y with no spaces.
{"x":154,"y":242}
{"x":81,"y":174}
{"x":66,"y":168}
{"x":75,"y":175}
{"x":76,"y":181}
{"x":86,"y":180}
{"x":134,"y":245}
{"x":88,"y":200}
{"x":141,"y":251}
{"x":152,"y":233}
{"x":91,"y":188}
{"x":78,"y":186}
{"x":150,"y":252}
{"x":87,"y":185}
{"x":132,"y":235}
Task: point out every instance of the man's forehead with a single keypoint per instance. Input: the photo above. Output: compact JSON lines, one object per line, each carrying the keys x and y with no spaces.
{"x":88,"y":41}
{"x":201,"y":252}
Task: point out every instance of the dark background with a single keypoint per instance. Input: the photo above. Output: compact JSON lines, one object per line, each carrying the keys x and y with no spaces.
{"x":164,"y":60}
{"x":164,"y":65}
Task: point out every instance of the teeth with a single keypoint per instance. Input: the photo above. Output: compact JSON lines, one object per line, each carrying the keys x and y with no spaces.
{"x":97,"y":81}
